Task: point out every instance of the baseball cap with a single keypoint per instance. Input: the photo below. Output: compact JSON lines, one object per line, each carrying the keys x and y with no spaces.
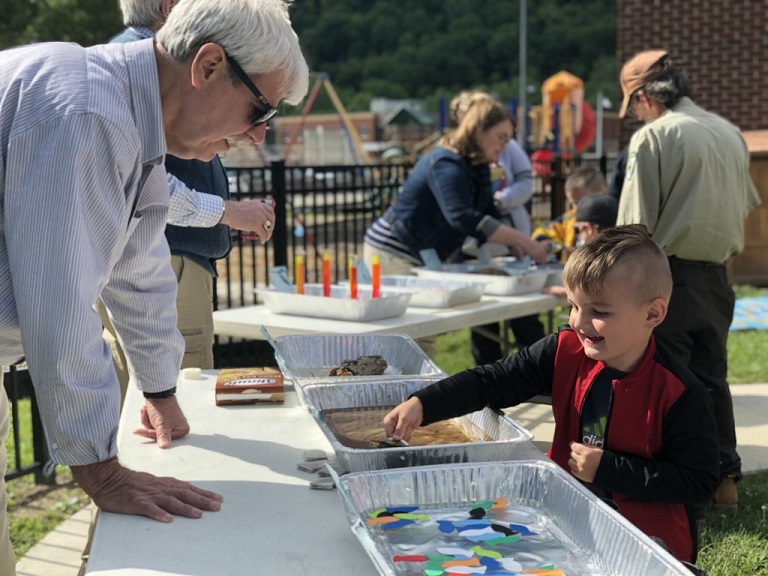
{"x":638,"y":71}
{"x":597,"y":209}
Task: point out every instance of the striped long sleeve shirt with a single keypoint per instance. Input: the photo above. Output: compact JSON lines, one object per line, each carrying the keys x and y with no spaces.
{"x":188,"y":208}
{"x":83,"y":206}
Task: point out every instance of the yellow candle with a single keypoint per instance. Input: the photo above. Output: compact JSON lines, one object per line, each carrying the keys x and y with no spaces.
{"x":299,"y":274}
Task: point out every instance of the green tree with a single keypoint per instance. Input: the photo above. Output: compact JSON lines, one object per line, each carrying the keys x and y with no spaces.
{"x":86,"y":22}
{"x":433,"y":48}
{"x":415,"y":48}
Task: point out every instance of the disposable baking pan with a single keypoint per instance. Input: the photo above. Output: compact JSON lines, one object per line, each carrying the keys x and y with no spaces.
{"x":338,"y":306}
{"x":507,"y":437}
{"x":555,"y":270}
{"x":510,"y":281}
{"x":563,"y":524}
{"x":434,"y":293}
{"x":309,"y":358}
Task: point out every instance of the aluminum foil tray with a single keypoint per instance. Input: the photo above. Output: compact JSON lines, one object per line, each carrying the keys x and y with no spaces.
{"x":308,"y":358}
{"x":555,"y":270}
{"x":514,"y":283}
{"x":433,"y":293}
{"x":339,"y":306}
{"x":512,"y":262}
{"x":508,"y":437}
{"x":573,"y":529}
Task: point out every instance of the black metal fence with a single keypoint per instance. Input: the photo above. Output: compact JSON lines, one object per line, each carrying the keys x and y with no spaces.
{"x":18,"y":386}
{"x":326,"y":209}
{"x":318,"y":210}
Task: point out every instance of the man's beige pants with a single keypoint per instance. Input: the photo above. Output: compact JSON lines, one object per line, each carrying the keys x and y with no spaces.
{"x":194,"y":305}
{"x":7,"y":559}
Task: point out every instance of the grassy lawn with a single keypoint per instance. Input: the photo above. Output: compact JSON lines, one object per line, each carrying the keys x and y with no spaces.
{"x":738,"y":545}
{"x":729,"y":545}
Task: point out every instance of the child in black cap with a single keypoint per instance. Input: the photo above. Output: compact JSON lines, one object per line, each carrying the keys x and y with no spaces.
{"x":594,"y":214}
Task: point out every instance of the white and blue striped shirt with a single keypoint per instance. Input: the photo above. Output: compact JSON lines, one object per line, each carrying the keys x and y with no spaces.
{"x":188,"y":207}
{"x":83,"y":202}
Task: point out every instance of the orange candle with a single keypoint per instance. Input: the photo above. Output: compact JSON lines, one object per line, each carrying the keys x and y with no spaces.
{"x":376,"y":279}
{"x":352,"y":279}
{"x":326,"y":275}
{"x":299,"y":274}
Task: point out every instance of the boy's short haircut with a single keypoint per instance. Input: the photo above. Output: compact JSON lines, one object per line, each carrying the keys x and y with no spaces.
{"x":586,"y":180}
{"x":632,"y":251}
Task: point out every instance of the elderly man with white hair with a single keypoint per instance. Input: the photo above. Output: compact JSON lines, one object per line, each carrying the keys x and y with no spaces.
{"x":83,"y":205}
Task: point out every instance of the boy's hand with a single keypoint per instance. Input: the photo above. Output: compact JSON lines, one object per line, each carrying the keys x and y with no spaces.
{"x":404,"y":419}
{"x":584,"y":461}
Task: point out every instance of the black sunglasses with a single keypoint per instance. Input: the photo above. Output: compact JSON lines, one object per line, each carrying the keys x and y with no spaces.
{"x":268,"y":111}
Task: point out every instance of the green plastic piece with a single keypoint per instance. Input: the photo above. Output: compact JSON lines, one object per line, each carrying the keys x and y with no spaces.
{"x":375,"y":513}
{"x":503,"y":540}
{"x":488,"y":553}
{"x":409,"y":516}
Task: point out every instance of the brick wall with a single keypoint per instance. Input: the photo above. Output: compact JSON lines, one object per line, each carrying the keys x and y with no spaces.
{"x":720,"y":45}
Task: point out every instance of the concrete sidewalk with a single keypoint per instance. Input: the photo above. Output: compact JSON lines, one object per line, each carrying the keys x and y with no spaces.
{"x":58,"y":554}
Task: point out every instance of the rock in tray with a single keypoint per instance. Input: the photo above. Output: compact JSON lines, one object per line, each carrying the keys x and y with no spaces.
{"x":361,"y":366}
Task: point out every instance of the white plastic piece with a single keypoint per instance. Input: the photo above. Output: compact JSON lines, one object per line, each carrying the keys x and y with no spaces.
{"x":192,"y":374}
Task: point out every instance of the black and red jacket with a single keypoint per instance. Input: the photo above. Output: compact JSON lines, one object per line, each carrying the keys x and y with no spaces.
{"x":661,"y":454}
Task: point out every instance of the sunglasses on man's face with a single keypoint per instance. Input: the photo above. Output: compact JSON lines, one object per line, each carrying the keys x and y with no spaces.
{"x":266,"y":111}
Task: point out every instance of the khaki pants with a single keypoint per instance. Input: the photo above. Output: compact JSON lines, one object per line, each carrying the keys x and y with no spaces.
{"x":394,"y":266}
{"x":7,"y":559}
{"x":118,"y":357}
{"x":194,"y":305}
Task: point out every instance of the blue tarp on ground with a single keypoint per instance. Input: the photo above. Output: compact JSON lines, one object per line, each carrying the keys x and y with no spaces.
{"x":751,"y":314}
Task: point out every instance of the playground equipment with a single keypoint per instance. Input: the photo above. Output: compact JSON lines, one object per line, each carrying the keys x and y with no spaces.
{"x":323,"y":81}
{"x":565,"y":123}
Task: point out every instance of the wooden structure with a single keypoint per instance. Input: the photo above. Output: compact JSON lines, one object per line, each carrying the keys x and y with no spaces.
{"x":323,"y":81}
{"x":751,"y":266}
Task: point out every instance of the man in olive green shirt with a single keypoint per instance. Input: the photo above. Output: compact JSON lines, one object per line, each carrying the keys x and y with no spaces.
{"x":687,"y":179}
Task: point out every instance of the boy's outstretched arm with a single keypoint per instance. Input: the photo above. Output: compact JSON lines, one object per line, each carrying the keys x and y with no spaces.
{"x":404,"y":419}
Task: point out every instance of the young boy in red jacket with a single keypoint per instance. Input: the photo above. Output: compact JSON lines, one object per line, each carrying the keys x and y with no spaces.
{"x":631,"y":421}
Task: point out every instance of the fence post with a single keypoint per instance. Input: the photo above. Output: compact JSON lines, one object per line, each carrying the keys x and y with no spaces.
{"x":604,"y":165}
{"x":557,"y":184}
{"x":39,"y":446}
{"x":280,"y":235}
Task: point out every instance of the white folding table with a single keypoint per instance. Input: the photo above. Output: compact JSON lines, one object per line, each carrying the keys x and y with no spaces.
{"x":246,"y":322}
{"x":271,"y":522}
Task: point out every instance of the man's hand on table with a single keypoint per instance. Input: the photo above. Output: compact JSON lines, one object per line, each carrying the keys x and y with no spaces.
{"x":162,"y":420}
{"x":117,"y":489}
